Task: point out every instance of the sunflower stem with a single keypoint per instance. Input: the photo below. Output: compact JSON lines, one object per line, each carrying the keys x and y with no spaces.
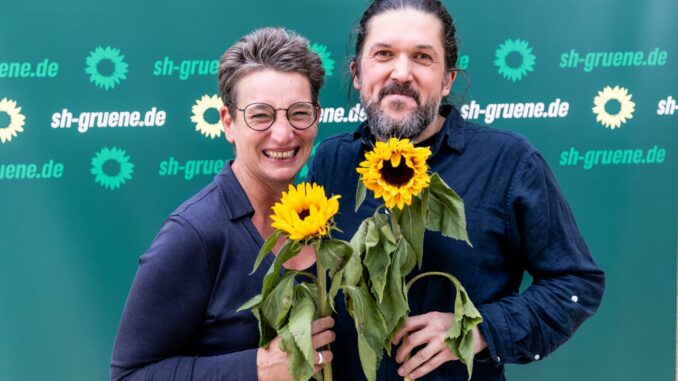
{"x":323,"y":305}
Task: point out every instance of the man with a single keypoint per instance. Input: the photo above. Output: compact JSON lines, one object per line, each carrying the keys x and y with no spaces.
{"x":517,"y":217}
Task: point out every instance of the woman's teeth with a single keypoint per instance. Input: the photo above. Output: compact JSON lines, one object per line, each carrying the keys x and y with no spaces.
{"x":279,"y":155}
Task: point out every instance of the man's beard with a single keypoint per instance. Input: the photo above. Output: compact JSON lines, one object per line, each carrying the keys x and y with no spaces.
{"x":409,"y":127}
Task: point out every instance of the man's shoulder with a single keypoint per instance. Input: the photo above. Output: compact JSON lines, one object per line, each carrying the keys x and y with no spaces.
{"x":495,"y":138}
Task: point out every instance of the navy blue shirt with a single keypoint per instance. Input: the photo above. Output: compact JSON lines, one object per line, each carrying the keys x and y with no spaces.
{"x":517,"y":221}
{"x":180,"y":320}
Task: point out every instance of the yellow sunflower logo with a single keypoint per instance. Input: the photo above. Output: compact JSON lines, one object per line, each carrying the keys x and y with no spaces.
{"x":304,"y":212}
{"x":16,"y":120}
{"x":201,"y":106}
{"x":396,"y":171}
{"x":618,"y":95}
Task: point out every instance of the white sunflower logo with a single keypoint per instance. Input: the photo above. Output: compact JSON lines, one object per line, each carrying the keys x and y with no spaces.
{"x":201,"y":106}
{"x":16,"y":120}
{"x":626,"y":106}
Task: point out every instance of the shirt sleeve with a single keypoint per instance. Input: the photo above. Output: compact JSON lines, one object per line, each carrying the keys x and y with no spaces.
{"x":166,"y":304}
{"x":567,"y":284}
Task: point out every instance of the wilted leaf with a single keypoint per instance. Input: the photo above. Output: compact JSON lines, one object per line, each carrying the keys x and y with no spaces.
{"x":276,"y":305}
{"x":446,"y":211}
{"x":380,"y":244}
{"x":360,"y":195}
{"x":268,"y":245}
{"x":370,"y":327}
{"x":412,"y":221}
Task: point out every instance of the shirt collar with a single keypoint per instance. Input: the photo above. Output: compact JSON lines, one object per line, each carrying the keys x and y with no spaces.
{"x":450,"y":135}
{"x":232,"y":194}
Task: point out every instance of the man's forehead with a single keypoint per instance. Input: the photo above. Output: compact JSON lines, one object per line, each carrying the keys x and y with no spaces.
{"x":404,"y":26}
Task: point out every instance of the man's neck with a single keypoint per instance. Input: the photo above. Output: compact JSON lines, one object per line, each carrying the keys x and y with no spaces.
{"x":431,"y":130}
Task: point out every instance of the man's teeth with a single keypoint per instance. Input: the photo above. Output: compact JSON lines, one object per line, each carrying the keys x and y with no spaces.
{"x":279,"y":155}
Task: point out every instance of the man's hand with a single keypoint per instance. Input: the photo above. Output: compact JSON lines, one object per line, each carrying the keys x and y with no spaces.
{"x":272,"y":362}
{"x":428,"y":331}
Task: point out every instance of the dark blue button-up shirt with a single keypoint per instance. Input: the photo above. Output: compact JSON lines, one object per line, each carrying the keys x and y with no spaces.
{"x":518,"y":221}
{"x":180,"y":320}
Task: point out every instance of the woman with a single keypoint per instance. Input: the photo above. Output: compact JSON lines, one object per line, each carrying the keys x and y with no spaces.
{"x":180,"y":320}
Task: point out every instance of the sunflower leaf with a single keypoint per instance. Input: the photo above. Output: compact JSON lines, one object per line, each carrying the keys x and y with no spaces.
{"x":276,"y":305}
{"x":446,"y":211}
{"x":360,"y":195}
{"x":371,"y":328}
{"x":296,"y":339}
{"x":332,"y":253}
{"x":266,"y":248}
{"x":288,"y":251}
{"x":254,"y":301}
{"x":459,"y":338}
{"x":394,"y":307}
{"x":412,"y":221}
{"x":379,"y":244}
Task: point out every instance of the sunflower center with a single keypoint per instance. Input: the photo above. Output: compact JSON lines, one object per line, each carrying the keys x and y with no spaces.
{"x":211,"y":115}
{"x":106,"y":67}
{"x":303,"y":214}
{"x":613,"y":107}
{"x":397,"y":176}
{"x":111,"y":168}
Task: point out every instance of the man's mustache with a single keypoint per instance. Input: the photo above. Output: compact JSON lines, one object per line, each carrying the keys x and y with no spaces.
{"x":398,"y":89}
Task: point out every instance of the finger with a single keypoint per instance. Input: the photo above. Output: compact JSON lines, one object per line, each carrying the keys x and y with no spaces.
{"x":322,"y":324}
{"x":414,"y":340}
{"x":327,"y":358}
{"x":323,"y":338}
{"x":419,"y":358}
{"x":430,"y":365}
{"x":413,"y":323}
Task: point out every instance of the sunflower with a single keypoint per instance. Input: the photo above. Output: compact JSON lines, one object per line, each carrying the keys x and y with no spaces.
{"x":304,"y":212}
{"x":396,"y":171}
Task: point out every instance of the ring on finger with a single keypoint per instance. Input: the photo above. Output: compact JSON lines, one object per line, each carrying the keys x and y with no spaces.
{"x":321,"y":358}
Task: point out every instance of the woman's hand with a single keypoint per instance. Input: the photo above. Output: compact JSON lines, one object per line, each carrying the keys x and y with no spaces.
{"x":272,"y":362}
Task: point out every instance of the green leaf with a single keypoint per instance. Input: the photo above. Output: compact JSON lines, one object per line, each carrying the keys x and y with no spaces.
{"x":380,"y":244}
{"x":369,"y":324}
{"x":394,"y":306}
{"x":358,"y":239}
{"x":266,"y":332}
{"x":254,"y":301}
{"x":412,"y":221}
{"x":287,"y":252}
{"x":349,"y":272}
{"x":446,"y":211}
{"x":268,"y":245}
{"x":459,"y":338}
{"x":360,"y":195}
{"x":332,"y":254}
{"x":407,"y":256}
{"x":276,"y":305}
{"x":296,"y":335}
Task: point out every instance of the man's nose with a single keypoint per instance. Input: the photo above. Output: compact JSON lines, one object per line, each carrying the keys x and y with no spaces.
{"x":402,"y":69}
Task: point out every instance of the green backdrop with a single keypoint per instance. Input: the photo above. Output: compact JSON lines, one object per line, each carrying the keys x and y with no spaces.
{"x":107,"y":124}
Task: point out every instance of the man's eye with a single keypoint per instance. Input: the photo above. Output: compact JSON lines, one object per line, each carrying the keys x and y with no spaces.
{"x":423,"y":57}
{"x":382,"y":54}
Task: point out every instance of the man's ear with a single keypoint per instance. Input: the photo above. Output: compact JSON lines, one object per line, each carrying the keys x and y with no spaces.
{"x":450,"y":76}
{"x":354,"y":74}
{"x":226,"y":123}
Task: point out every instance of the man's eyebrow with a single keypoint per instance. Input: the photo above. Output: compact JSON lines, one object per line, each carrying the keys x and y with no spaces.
{"x":379,"y":45}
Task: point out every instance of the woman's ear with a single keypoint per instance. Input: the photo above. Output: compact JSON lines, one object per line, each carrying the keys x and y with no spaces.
{"x":227,"y":123}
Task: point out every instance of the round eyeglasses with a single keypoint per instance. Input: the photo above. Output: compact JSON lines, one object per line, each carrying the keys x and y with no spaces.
{"x":261,"y":116}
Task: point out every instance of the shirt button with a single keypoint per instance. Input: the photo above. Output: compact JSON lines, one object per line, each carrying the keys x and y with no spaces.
{"x":537,"y":357}
{"x":575,"y":298}
{"x":498,"y":359}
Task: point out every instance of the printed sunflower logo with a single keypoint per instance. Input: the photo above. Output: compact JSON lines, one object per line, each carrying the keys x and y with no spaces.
{"x":510,"y":72}
{"x":396,"y":171}
{"x":111,"y":157}
{"x":325,"y":57}
{"x":16,"y":120}
{"x":201,"y":106}
{"x":113,"y":56}
{"x":618,"y":95}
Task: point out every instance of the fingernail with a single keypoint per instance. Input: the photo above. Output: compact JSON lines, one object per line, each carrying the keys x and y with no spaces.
{"x":400,"y":372}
